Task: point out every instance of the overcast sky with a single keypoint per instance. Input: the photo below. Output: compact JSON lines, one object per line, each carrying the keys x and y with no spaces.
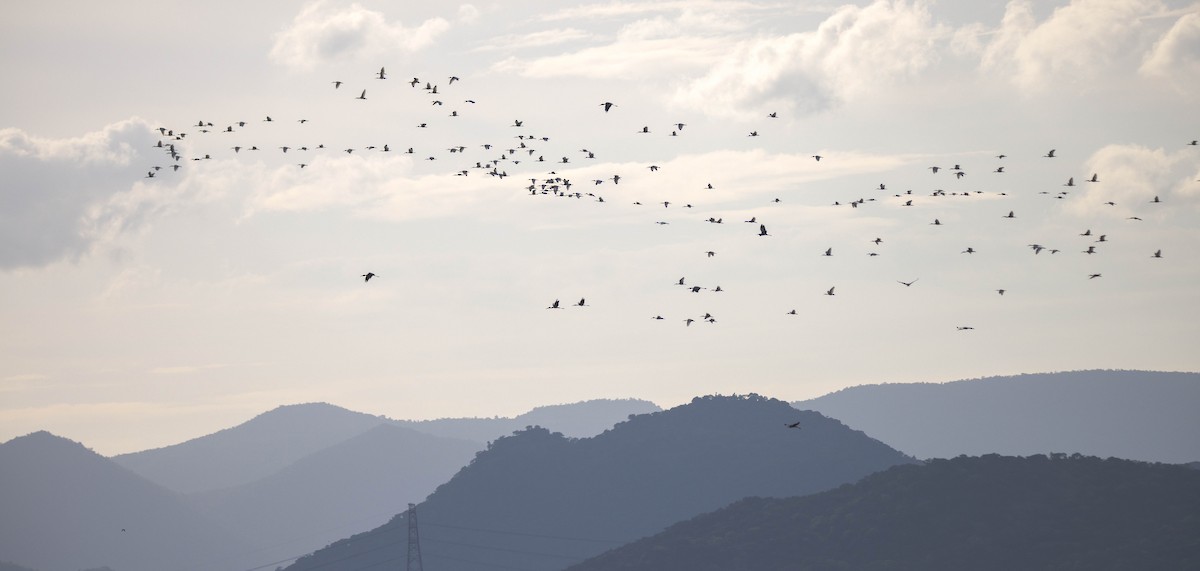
{"x":141,"y":311}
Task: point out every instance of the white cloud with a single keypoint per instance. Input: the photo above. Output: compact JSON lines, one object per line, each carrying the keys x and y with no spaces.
{"x":535,"y":39}
{"x":854,"y":50}
{"x":646,"y":48}
{"x":60,"y":196}
{"x":1077,"y":43}
{"x":468,"y":13}
{"x":321,"y":33}
{"x":1177,"y":53}
{"x":1131,"y":176}
{"x":628,"y":59}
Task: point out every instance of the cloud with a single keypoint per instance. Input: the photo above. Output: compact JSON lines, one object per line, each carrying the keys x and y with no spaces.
{"x":321,"y":33}
{"x":468,"y":13}
{"x":1177,"y":53}
{"x":854,"y":50}
{"x":1075,"y":44}
{"x":58,"y":197}
{"x":1131,"y":176}
{"x":534,"y":39}
{"x":646,"y":48}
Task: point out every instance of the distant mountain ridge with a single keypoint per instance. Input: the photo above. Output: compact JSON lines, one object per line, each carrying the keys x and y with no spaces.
{"x":355,"y":484}
{"x":575,"y":420}
{"x":980,"y":513}
{"x":1139,"y":415}
{"x":66,"y":508}
{"x":275,"y":439}
{"x":538,"y":500}
{"x":254,"y":449}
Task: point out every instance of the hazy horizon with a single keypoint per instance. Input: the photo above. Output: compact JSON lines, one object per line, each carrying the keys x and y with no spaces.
{"x":142,"y":311}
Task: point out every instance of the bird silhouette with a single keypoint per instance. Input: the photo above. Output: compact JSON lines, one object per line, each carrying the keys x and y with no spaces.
{"x":367,"y":276}
{"x":829,"y":292}
{"x":909,"y":284}
{"x":762,"y":230}
{"x":793,"y":424}
{"x":607,"y":105}
{"x":554,"y":305}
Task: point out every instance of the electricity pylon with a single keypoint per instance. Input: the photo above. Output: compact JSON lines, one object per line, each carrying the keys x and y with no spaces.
{"x":414,"y":540}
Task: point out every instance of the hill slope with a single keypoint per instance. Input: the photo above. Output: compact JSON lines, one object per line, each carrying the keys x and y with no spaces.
{"x":575,"y":420}
{"x":1137,"y":415}
{"x":251,"y":450}
{"x":349,"y":486}
{"x":538,"y":500}
{"x":977,"y":513}
{"x":67,"y":508}
{"x":277,"y":438}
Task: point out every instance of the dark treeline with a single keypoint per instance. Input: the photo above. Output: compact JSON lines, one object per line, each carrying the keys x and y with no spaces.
{"x":981,"y":513}
{"x":541,"y":501}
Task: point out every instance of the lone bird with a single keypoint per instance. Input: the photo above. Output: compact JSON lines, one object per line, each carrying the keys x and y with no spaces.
{"x":607,"y":105}
{"x":554,"y":305}
{"x":909,"y":284}
{"x":793,"y":424}
{"x":830,"y":292}
{"x":762,"y":230}
{"x":367,"y":276}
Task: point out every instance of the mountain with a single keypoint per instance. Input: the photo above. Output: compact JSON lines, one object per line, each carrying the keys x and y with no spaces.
{"x":249,"y":451}
{"x":349,"y":486}
{"x":540,"y":501}
{"x":1138,"y":415}
{"x":275,"y":439}
{"x":6,"y":566}
{"x":981,"y":513}
{"x":576,"y":420}
{"x":67,"y":508}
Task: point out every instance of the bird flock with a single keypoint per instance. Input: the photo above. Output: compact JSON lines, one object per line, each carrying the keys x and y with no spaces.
{"x":544,"y":164}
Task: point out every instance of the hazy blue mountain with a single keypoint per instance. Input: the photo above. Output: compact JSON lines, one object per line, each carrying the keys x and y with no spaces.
{"x":540,"y":501}
{"x":6,"y":566}
{"x":66,"y":508}
{"x":353,"y":485}
{"x":275,"y":439}
{"x":1138,"y":415}
{"x":980,"y":513}
{"x":576,"y":420}
{"x":251,"y":450}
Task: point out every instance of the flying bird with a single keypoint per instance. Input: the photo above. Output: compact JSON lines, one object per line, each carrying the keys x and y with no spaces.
{"x":367,"y":276}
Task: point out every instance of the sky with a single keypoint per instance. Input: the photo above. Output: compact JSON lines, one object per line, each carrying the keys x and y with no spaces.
{"x":139,"y":311}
